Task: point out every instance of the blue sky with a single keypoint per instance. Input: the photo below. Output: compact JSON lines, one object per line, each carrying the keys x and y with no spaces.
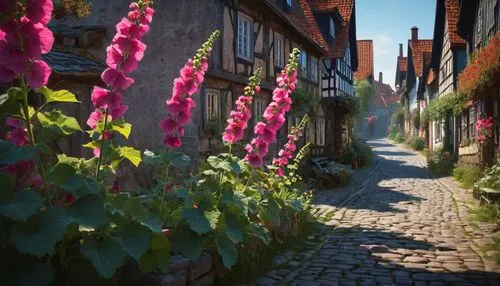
{"x":388,"y":23}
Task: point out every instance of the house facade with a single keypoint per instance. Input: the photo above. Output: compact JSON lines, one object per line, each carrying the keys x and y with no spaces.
{"x":479,"y":23}
{"x":400,"y":83}
{"x":254,"y":34}
{"x":383,"y":106}
{"x":448,"y":60}
{"x":419,"y":51}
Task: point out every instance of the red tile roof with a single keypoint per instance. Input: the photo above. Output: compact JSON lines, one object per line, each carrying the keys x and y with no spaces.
{"x":418,"y":48}
{"x":432,"y":76}
{"x":384,"y":95}
{"x":365,"y":59}
{"x":298,"y":19}
{"x":345,"y":8}
{"x":452,"y":15}
{"x":403,"y":64}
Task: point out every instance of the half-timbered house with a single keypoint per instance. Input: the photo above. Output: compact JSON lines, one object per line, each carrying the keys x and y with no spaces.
{"x":448,"y":60}
{"x":478,"y":22}
{"x":400,"y":81}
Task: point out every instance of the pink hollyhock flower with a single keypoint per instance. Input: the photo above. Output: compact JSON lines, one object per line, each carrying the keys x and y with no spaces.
{"x":94,"y":118}
{"x":280,"y":172}
{"x":180,"y":105}
{"x":39,"y":11}
{"x":116,"y":79}
{"x":38,"y":74}
{"x":17,"y":136}
{"x":129,"y":29}
{"x":254,"y":160}
{"x":103,"y":98}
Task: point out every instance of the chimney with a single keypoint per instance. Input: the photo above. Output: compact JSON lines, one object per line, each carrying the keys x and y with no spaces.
{"x":380,"y":77}
{"x":401,"y":50}
{"x":414,"y":33}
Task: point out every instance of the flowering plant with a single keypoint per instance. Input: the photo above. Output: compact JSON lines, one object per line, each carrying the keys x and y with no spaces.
{"x":481,"y":69}
{"x":484,"y":128}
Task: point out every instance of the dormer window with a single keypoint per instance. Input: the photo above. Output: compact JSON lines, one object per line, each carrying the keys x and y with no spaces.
{"x":332,"y":28}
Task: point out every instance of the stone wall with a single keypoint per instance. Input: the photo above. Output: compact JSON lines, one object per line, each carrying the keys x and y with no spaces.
{"x":178,"y":30}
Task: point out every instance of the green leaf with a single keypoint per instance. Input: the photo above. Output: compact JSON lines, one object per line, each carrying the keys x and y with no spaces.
{"x":148,"y":262}
{"x":10,"y":153}
{"x":131,"y":154}
{"x":121,"y":127}
{"x":197,"y":220}
{"x":81,"y":186}
{"x":60,"y":174}
{"x":269,"y":211}
{"x":88,"y":211}
{"x":106,"y":255}
{"x":179,"y":161}
{"x":160,"y":242}
{"x":134,"y":209}
{"x":8,"y":105}
{"x":213,"y":218}
{"x":57,"y":96}
{"x":187,"y":243}
{"x":25,"y":204}
{"x":7,"y":183}
{"x":58,"y":123}
{"x":260,"y":232}
{"x":226,"y":249}
{"x":233,"y":228}
{"x":150,"y":158}
{"x":41,"y":239}
{"x":134,"y":239}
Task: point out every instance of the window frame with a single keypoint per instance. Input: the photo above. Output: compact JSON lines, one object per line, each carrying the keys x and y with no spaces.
{"x":244,"y":18}
{"x":289,"y":3}
{"x":209,"y":93}
{"x":280,"y":49}
{"x":303,"y":63}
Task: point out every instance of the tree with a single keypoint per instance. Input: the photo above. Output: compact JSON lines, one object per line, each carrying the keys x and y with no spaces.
{"x":365,"y":91}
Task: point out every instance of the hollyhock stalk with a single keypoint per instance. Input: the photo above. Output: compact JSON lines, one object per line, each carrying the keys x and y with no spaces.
{"x":286,"y":154}
{"x":123,"y":55}
{"x":240,"y":117}
{"x":274,"y":113}
{"x":181,"y":103}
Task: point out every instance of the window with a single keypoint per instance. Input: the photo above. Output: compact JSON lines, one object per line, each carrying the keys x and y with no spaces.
{"x":332,"y":28}
{"x":259,"y":108}
{"x":464,"y":123}
{"x":303,"y":63}
{"x":279,"y":56}
{"x":472,"y":123}
{"x":320,"y":131}
{"x":288,"y":3}
{"x":314,"y":69}
{"x":438,"y":133}
{"x":212,"y":105}
{"x":245,"y":28}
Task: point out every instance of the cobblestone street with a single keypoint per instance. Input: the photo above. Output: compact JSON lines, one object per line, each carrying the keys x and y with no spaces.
{"x":395,"y":226}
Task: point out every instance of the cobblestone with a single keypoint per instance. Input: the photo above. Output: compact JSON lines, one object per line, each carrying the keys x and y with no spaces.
{"x":395,"y":225}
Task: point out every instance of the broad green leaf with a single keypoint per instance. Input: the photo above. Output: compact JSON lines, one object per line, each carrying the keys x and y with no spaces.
{"x":148,"y":262}
{"x":131,"y":154}
{"x":80,"y":185}
{"x":213,"y":218}
{"x":25,"y":204}
{"x":233,"y":228}
{"x":60,"y":174}
{"x":41,"y":239}
{"x":179,"y":161}
{"x":160,"y":242}
{"x":8,"y":105}
{"x":152,"y":222}
{"x":269,"y":211}
{"x":132,"y":208}
{"x":7,"y":183}
{"x":150,"y":158}
{"x":16,"y":93}
{"x":187,"y":243}
{"x":57,"y":96}
{"x":197,"y":220}
{"x":260,"y":232}
{"x":226,"y":249}
{"x":88,"y":211}
{"x":134,"y":239}
{"x":121,"y":127}
{"x":106,"y":255}
{"x":59,"y":123}
{"x":10,"y":153}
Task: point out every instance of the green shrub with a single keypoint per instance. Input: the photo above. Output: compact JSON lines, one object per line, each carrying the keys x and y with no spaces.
{"x":492,"y":178}
{"x":417,"y":143}
{"x":467,"y":176}
{"x":359,"y":152}
{"x":440,"y":162}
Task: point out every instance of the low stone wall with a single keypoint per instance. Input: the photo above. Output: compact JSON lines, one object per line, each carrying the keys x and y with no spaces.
{"x":469,"y":156}
{"x":183,"y":272}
